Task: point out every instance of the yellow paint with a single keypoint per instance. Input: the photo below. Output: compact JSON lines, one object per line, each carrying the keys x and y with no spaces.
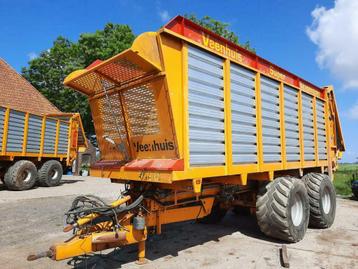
{"x":197,"y":185}
{"x":276,"y":74}
{"x":259,"y":142}
{"x":300,"y":127}
{"x":9,"y":156}
{"x":163,"y":58}
{"x":92,"y":216}
{"x":26,"y":125}
{"x":42,"y":141}
{"x":57,"y":136}
{"x":328,"y":134}
{"x":282,"y":126}
{"x":5,"y":131}
{"x":314,"y":104}
{"x":185,"y":103}
{"x":220,"y":48}
{"x":227,"y":116}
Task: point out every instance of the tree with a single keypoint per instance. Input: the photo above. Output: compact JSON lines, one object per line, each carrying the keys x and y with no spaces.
{"x":220,"y":28}
{"x":47,"y":72}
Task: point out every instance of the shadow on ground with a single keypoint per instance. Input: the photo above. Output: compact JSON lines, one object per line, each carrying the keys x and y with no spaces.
{"x":174,"y":238}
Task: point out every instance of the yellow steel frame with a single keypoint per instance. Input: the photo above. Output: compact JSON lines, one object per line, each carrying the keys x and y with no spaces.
{"x":43,"y":129}
{"x":282,"y":126}
{"x":328,"y":135}
{"x":5,"y":131}
{"x":26,"y":129}
{"x":186,"y":154}
{"x":8,"y":155}
{"x":227,"y":117}
{"x":314,"y":104}
{"x":300,"y":126}
{"x":169,"y":45}
{"x":57,"y":136}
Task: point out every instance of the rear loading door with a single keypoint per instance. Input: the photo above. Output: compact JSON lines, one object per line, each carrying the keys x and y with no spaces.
{"x":130,"y":108}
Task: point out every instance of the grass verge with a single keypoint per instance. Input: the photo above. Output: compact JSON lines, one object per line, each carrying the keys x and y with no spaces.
{"x":343,"y":178}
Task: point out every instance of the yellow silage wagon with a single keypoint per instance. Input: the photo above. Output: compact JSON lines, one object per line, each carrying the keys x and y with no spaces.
{"x":37,"y":148}
{"x":194,"y":125}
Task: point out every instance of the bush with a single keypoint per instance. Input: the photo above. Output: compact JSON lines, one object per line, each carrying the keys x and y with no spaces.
{"x":343,"y":178}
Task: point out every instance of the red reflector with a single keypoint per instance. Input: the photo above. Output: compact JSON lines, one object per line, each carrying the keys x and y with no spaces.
{"x":155,"y":165}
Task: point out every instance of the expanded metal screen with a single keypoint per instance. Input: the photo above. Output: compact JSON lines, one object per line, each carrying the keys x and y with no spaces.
{"x":110,"y":112}
{"x":141,"y":111}
{"x":132,"y":110}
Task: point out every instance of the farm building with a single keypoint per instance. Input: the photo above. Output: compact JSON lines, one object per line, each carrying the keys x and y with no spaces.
{"x":17,"y":93}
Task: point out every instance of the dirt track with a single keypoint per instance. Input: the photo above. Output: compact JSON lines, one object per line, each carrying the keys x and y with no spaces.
{"x":33,"y":220}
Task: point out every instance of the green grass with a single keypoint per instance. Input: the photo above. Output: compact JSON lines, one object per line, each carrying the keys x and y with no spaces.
{"x":343,"y":177}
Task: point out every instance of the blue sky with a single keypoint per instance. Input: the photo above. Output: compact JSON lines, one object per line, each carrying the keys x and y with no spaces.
{"x":277,"y":29}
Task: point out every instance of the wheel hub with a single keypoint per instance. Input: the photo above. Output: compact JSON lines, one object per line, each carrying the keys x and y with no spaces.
{"x":297,"y":210}
{"x":26,"y":176}
{"x":54,"y":174}
{"x":326,"y":201}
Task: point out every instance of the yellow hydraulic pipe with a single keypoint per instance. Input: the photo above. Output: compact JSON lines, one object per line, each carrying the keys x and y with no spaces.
{"x":92,"y":216}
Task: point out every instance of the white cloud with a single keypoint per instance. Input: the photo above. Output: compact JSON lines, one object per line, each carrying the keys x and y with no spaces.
{"x":32,"y":55}
{"x":335,"y":32}
{"x":164,"y":15}
{"x":352,"y":113}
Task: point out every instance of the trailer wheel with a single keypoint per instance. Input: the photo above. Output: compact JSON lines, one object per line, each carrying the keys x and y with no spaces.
{"x":216,"y":215}
{"x":282,"y":209}
{"x":322,"y":199}
{"x":50,"y":173}
{"x":21,"y":176}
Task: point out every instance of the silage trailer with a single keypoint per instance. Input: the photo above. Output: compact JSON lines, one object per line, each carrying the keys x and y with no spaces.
{"x":36,"y":148}
{"x":194,"y":125}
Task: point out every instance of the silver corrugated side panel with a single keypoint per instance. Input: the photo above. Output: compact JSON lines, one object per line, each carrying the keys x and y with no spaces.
{"x":63,"y":138}
{"x":2,"y":118}
{"x":270,"y":120}
{"x":291,"y":124}
{"x":321,"y":130}
{"x":15,"y":135}
{"x":34,"y":134}
{"x":206,"y":108}
{"x":243,"y":115}
{"x":50,"y":136}
{"x":308,"y":127}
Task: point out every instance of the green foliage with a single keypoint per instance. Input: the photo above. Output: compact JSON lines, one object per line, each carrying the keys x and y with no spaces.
{"x":220,"y":28}
{"x":47,"y":72}
{"x":343,"y":178}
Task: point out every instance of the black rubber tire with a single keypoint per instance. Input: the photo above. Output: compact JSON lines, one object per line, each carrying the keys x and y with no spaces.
{"x":22,"y":175}
{"x":216,"y":215}
{"x":273,"y":209}
{"x":50,"y":173}
{"x":316,"y":184}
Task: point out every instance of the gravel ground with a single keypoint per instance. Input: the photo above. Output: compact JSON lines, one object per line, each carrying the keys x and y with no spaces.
{"x":32,"y":220}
